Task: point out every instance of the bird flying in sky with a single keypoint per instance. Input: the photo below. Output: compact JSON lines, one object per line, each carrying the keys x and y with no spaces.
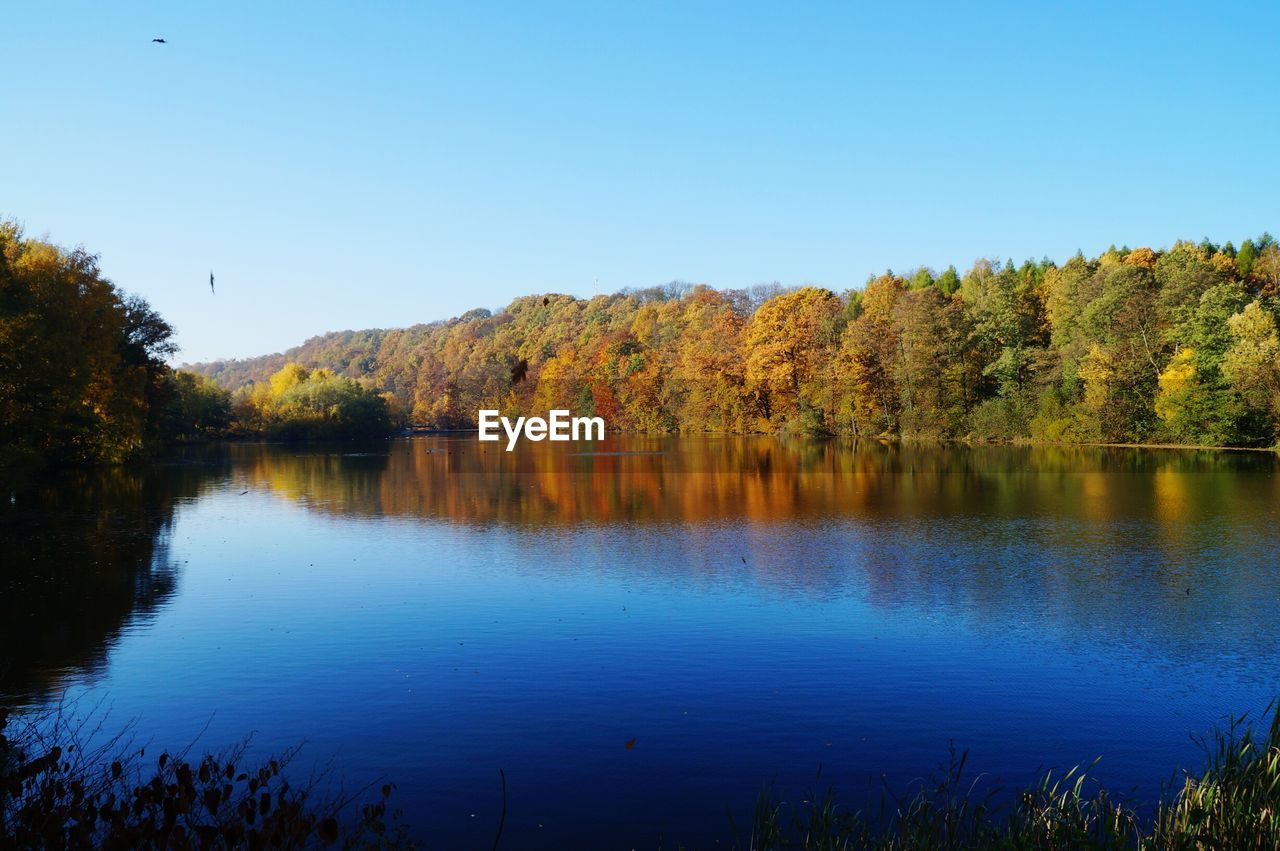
{"x":159,"y":41}
{"x":211,"y":282}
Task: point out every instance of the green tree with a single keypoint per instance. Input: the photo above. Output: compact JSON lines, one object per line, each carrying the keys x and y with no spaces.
{"x":949,"y":281}
{"x":1246,"y":257}
{"x":196,"y":408}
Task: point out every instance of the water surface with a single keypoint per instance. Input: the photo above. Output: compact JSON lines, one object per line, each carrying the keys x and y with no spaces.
{"x":749,"y":611}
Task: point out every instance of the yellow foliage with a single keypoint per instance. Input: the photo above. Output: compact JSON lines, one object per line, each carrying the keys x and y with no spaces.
{"x":790,"y":341}
{"x":1096,"y":371}
{"x":880,"y":296}
{"x":290,"y":376}
{"x":557,"y":382}
{"x":1144,"y":258}
{"x":1110,"y":257}
{"x":1224,"y":263}
{"x":1178,"y":377}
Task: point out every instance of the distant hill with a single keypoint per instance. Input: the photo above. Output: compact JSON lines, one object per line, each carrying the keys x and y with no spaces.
{"x":349,"y":353}
{"x":420,"y":363}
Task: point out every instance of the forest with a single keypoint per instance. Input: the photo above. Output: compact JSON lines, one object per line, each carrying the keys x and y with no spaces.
{"x":1177,"y":345}
{"x":85,"y":378}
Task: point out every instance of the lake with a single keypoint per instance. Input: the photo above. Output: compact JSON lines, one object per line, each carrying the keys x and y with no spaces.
{"x":749,"y":611}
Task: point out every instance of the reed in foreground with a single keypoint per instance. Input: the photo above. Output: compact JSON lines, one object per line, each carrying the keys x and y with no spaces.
{"x":1233,"y":803}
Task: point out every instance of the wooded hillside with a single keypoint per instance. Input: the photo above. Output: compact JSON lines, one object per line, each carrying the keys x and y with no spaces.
{"x":1136,"y":345}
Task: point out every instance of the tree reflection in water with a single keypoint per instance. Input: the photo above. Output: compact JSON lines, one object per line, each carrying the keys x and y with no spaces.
{"x":86,"y":555}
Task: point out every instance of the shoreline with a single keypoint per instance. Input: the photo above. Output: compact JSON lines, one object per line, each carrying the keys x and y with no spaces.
{"x":28,"y":465}
{"x":431,"y":432}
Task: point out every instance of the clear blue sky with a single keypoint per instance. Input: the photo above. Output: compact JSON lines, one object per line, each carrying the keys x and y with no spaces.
{"x":374,"y":165}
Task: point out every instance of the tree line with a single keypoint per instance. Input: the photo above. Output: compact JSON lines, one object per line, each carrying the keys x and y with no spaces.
{"x":1177,"y":345}
{"x":84,"y":373}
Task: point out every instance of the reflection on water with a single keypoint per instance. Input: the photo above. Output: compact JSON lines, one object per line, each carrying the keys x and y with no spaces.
{"x":746,"y":609}
{"x":86,"y":552}
{"x":762,"y":479}
{"x":1002,"y":528}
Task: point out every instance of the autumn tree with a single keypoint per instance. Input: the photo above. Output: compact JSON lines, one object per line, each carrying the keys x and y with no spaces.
{"x":301,"y":403}
{"x":1251,"y":364}
{"x":789,"y":346}
{"x":870,"y":352}
{"x":83,"y":372}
